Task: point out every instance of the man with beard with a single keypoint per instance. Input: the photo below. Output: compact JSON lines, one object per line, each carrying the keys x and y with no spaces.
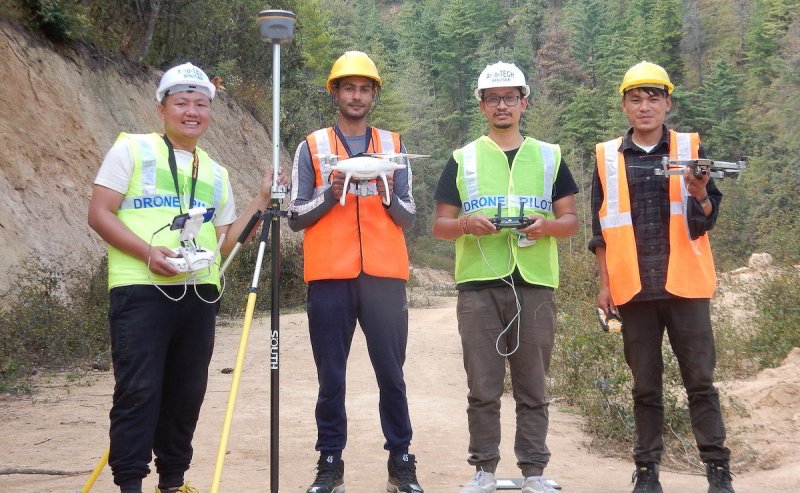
{"x":356,"y":267}
{"x":506,"y":277}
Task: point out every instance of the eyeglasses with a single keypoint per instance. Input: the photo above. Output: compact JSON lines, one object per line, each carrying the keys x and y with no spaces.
{"x":494,"y":100}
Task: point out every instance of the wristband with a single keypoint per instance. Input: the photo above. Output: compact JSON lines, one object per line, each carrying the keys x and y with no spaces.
{"x":703,"y":202}
{"x":462,"y":224}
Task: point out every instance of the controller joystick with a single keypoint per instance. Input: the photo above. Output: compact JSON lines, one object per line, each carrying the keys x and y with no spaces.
{"x":519,"y":222}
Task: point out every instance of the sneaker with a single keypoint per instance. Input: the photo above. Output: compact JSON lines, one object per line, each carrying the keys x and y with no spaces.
{"x":537,"y":484}
{"x":330,"y":476}
{"x":402,"y":474}
{"x":186,"y":488}
{"x":719,"y":477}
{"x":646,"y":477}
{"x":482,"y":482}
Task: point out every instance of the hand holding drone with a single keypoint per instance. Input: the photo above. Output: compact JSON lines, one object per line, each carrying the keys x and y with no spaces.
{"x":701,"y":167}
{"x":368,"y":166}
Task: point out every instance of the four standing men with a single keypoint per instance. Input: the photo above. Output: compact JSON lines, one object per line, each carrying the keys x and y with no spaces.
{"x":356,"y":267}
{"x":656,"y":270}
{"x":506,"y":277}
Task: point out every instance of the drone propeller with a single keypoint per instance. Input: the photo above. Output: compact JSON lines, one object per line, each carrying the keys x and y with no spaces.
{"x":390,"y":155}
{"x":327,"y":156}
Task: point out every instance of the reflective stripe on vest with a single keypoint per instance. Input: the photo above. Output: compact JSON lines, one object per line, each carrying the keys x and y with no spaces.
{"x":151,"y":202}
{"x":359,"y":236}
{"x":690,"y":271}
{"x":485,"y":182}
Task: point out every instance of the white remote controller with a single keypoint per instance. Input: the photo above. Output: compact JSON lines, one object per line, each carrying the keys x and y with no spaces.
{"x":192,"y":260}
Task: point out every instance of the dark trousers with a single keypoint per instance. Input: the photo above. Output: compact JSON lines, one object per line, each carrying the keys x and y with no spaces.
{"x":161,"y":350}
{"x":688,"y":326}
{"x":380,"y":306}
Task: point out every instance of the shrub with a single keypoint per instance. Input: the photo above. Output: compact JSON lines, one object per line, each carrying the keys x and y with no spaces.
{"x":239,"y":278}
{"x":58,"y":20}
{"x":53,"y":318}
{"x":778,"y":319}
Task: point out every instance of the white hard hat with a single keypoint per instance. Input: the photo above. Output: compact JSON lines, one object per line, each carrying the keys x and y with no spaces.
{"x":501,"y":74}
{"x":185,"y":77}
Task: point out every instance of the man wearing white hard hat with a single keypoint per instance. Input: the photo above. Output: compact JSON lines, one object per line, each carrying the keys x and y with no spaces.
{"x":162,"y":320}
{"x":505,"y":199}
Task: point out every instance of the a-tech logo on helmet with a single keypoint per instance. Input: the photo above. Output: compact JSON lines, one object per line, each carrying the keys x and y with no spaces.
{"x":500,"y":76}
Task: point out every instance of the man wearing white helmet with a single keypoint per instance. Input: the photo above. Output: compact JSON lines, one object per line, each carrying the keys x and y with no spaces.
{"x":162,"y":333}
{"x":650,"y":238}
{"x":506,"y":276}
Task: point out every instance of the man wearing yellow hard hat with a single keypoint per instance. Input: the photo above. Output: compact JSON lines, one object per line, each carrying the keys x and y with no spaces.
{"x":650,"y":238}
{"x":356,"y":266}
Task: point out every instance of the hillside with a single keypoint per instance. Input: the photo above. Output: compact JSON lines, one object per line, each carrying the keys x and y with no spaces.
{"x":62,"y":111}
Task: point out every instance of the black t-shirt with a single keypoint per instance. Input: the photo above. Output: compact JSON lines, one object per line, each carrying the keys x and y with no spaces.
{"x":447,"y":192}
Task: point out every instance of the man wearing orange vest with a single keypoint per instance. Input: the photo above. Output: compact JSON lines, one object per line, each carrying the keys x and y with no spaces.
{"x":356,"y":267}
{"x":650,"y":238}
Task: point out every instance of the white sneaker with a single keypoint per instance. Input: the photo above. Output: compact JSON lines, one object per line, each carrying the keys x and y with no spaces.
{"x":537,"y":484}
{"x":482,"y":482}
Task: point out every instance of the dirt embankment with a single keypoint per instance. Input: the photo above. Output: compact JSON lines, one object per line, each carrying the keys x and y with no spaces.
{"x":61,"y":111}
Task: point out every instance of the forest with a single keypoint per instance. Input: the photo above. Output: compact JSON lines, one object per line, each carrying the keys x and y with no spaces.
{"x":735,"y":65}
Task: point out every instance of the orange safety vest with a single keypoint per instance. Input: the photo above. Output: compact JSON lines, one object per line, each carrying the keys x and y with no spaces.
{"x":359,"y":236}
{"x":690,"y":270}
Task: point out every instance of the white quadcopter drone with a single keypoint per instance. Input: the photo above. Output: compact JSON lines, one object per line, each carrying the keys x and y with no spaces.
{"x":368,"y":166}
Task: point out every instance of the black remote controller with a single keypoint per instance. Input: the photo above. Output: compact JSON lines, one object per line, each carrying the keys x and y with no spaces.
{"x":511,"y":222}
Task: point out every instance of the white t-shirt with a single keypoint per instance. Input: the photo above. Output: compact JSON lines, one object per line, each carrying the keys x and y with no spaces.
{"x":117,"y":168}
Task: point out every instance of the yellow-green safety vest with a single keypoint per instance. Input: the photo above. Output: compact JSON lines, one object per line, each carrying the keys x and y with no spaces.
{"x":485,"y":180}
{"x":151,"y":202}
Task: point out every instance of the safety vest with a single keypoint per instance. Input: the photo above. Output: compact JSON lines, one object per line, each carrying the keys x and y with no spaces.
{"x":484,"y":182}
{"x":151,"y":202}
{"x":690,"y":270}
{"x":359,"y":236}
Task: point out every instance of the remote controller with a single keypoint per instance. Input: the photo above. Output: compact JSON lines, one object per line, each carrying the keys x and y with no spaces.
{"x":519,"y":222}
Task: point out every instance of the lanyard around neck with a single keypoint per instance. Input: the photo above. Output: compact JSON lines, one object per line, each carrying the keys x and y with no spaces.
{"x":343,"y":139}
{"x":173,"y":167}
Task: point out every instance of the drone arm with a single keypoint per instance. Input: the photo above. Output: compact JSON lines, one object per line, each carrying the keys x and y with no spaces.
{"x":344,"y":189}
{"x":387,"y":198}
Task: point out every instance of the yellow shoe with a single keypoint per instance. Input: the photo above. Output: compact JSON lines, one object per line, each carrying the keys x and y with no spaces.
{"x":186,"y":488}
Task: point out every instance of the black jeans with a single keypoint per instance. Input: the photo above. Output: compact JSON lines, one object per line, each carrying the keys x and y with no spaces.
{"x":161,"y":350}
{"x":688,"y":326}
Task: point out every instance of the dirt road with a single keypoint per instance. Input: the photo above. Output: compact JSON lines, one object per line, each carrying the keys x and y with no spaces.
{"x":64,"y":425}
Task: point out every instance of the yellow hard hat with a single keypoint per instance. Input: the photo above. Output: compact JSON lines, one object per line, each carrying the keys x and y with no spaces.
{"x":352,"y":64}
{"x":646,"y":74}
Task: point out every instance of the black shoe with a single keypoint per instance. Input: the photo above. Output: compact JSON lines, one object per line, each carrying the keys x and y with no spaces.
{"x":719,"y":477}
{"x":403,"y":474}
{"x":646,"y":477}
{"x":330,"y":476}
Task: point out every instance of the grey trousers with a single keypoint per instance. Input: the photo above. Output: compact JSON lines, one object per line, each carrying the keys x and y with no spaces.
{"x":482,"y":319}
{"x":688,"y":326}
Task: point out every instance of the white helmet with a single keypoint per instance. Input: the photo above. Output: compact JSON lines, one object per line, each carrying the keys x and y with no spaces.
{"x":501,"y":74}
{"x":182,"y":78}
